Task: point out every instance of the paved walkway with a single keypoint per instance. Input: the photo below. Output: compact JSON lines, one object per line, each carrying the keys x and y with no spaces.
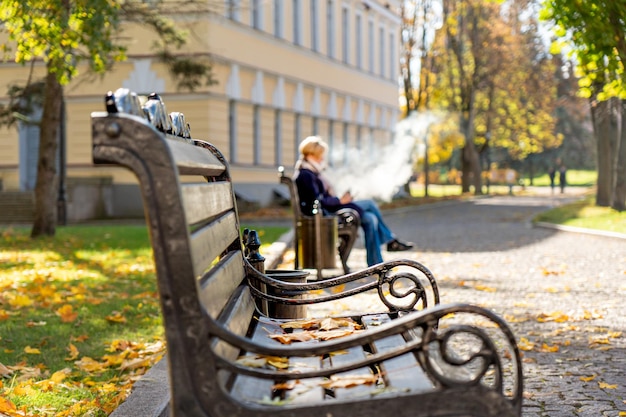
{"x":486,"y":252}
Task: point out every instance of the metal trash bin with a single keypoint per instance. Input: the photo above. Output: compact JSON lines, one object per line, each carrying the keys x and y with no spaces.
{"x":307,"y":243}
{"x":286,"y":311}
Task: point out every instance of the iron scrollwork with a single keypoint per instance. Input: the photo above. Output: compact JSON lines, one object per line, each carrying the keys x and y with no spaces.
{"x":397,"y":290}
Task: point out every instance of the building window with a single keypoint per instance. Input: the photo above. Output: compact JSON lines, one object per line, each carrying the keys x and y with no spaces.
{"x":278,"y":18}
{"x":345,"y":35}
{"x":278,"y":137}
{"x":314,"y":26}
{"x":392,"y":57}
{"x":331,"y":134}
{"x":232,"y":9}
{"x":232,"y":130}
{"x":330,"y":28}
{"x":256,"y":14}
{"x":297,"y":22}
{"x":315,"y":126}
{"x":346,"y":142}
{"x":359,"y":135}
{"x":358,"y":36}
{"x":370,"y":46}
{"x":297,"y":134}
{"x":381,"y":51}
{"x":256,"y":134}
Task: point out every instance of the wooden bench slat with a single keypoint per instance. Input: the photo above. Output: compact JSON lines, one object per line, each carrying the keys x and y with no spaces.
{"x":201,"y":200}
{"x":307,"y":391}
{"x":352,"y":355}
{"x":403,"y":372}
{"x":212,"y":240}
{"x":193,"y":160}
{"x":249,"y":388}
{"x":216,"y":288}
{"x":237,"y":320}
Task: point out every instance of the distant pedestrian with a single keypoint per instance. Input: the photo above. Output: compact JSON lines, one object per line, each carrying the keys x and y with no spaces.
{"x":562,"y":178}
{"x":552,"y":174}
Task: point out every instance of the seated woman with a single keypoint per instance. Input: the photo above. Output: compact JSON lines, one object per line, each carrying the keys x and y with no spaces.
{"x":312,"y":185}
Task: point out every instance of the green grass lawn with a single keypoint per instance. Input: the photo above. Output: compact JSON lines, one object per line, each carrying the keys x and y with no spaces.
{"x":586,"y":214}
{"x":80,"y":319}
{"x":575,"y":178}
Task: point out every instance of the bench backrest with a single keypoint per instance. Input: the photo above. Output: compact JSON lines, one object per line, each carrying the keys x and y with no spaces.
{"x":194,"y":229}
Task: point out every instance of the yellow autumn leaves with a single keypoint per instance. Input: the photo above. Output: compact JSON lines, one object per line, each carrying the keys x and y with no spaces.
{"x":129,"y":358}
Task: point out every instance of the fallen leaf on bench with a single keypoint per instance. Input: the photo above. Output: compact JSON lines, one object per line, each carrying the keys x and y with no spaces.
{"x":252,"y":361}
{"x":333,"y":334}
{"x":301,"y":324}
{"x":347,"y":381}
{"x":339,"y":352}
{"x":286,"y":339}
{"x":259,"y":361}
{"x":328,"y":323}
{"x":334,"y":323}
{"x":278,"y":362}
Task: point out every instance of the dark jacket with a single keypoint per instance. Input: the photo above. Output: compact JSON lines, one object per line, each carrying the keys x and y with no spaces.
{"x":310,"y":188}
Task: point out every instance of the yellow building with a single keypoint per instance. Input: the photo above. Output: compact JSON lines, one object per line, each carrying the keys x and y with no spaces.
{"x":285,"y":69}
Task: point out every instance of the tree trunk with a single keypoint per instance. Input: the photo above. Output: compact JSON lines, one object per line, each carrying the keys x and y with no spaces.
{"x":619,"y":192}
{"x":46,"y":186}
{"x":601,"y":116}
{"x":470,"y":158}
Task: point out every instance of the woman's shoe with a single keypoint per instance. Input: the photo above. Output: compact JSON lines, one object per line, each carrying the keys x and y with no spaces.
{"x":397,"y":246}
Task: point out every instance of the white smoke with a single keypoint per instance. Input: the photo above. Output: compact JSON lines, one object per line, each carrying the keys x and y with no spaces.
{"x":380,"y":172}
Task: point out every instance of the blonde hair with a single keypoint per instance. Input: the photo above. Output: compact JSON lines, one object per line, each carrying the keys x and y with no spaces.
{"x":313,"y":145}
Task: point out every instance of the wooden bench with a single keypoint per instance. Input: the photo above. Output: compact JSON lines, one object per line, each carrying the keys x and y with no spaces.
{"x":409,"y":357}
{"x":308,"y":249}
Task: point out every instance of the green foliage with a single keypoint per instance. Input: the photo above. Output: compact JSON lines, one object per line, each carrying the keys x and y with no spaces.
{"x":22,"y":102}
{"x":63,"y":33}
{"x":593,"y":32}
{"x":492,"y":65}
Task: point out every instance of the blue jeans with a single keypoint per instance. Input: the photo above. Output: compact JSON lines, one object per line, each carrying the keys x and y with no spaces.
{"x":375,"y":230}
